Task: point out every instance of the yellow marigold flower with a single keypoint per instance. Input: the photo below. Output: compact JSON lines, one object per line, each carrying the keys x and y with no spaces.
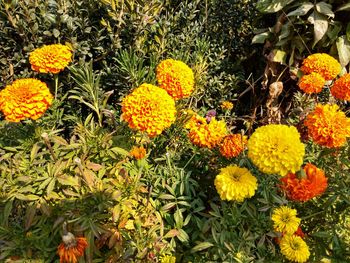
{"x":208,"y":134}
{"x":285,"y":220}
{"x":168,"y":259}
{"x":176,"y":78}
{"x":138,"y":152}
{"x":235,"y":184}
{"x":327,"y":66}
{"x":312,"y":83}
{"x":25,"y":98}
{"x":276,"y":148}
{"x":232,"y":145}
{"x":294,"y":248}
{"x":328,"y":126}
{"x":195,"y":121}
{"x":51,"y":58}
{"x":341,"y":88}
{"x":226,"y":105}
{"x":149,"y":109}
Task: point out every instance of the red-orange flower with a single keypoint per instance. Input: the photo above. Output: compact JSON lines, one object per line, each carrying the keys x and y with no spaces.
{"x":327,"y":66}
{"x":138,"y":152}
{"x":312,"y":83}
{"x":72,"y":248}
{"x":232,"y":145}
{"x":341,"y":88}
{"x":314,"y":184}
{"x":298,"y":233}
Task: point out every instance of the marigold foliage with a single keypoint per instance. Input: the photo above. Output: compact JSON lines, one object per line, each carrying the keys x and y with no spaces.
{"x":25,"y":98}
{"x":176,"y":78}
{"x":71,"y":254}
{"x":208,"y":134}
{"x":285,"y":220}
{"x":328,"y":126}
{"x":149,"y":109}
{"x":51,"y":58}
{"x":232,"y":145}
{"x":276,"y":149}
{"x":235,"y":184}
{"x":341,"y":88}
{"x":138,"y":152}
{"x":294,"y":248}
{"x":312,"y":83}
{"x":226,"y":105}
{"x":322,"y":63}
{"x":314,"y":184}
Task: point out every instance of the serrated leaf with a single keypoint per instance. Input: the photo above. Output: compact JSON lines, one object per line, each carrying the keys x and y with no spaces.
{"x":183,"y":236}
{"x":68,"y":180}
{"x":201,"y":246}
{"x":301,"y":10}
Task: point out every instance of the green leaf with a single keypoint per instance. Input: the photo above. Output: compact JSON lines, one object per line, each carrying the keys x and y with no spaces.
{"x":272,"y":6}
{"x":26,"y":197}
{"x":201,"y":246}
{"x":260,"y":38}
{"x":321,"y":234}
{"x":301,"y":10}
{"x":279,"y":56}
{"x":325,"y":9}
{"x":348,"y":32}
{"x":343,"y":47}
{"x":344,"y":7}
{"x":320,"y":23}
{"x":183,"y":236}
{"x":120,"y":151}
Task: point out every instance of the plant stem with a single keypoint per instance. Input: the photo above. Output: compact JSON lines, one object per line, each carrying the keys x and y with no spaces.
{"x":55,"y":76}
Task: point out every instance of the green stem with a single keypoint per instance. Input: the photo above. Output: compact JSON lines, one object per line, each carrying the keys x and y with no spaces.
{"x":55,"y":76}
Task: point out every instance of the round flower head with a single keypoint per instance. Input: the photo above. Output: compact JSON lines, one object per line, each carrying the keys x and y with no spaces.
{"x":327,"y":66}
{"x":285,"y":220}
{"x":51,"y":58}
{"x":138,"y":152}
{"x":314,"y":184}
{"x":276,"y":148}
{"x":232,"y":145}
{"x":149,"y":109}
{"x":72,"y":248}
{"x":312,"y":83}
{"x":25,"y":98}
{"x":341,"y":88}
{"x":294,"y":248}
{"x":208,"y":134}
{"x":195,"y":121}
{"x":235,"y":184}
{"x":176,"y":78}
{"x":167,"y":259}
{"x":328,"y":126}
{"x":226,"y":105}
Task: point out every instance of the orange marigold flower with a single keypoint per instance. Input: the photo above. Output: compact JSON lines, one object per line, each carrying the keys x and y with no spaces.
{"x":232,"y":145}
{"x":328,"y":126}
{"x":149,"y":109}
{"x":327,"y":66}
{"x":208,"y":134}
{"x":313,"y":184}
{"x":25,"y":98}
{"x":51,"y":58}
{"x":312,"y":83}
{"x":195,"y":121}
{"x":341,"y":87}
{"x":226,"y":105}
{"x":176,"y":78}
{"x":138,"y":152}
{"x":72,"y":248}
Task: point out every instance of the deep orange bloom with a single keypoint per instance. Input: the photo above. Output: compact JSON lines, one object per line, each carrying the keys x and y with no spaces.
{"x":71,"y":252}
{"x":25,"y":98}
{"x":327,"y":66}
{"x":341,"y":88}
{"x":232,"y":145}
{"x":298,"y":233}
{"x":314,"y":184}
{"x":51,"y":58}
{"x":312,"y":83}
{"x":226,"y":105}
{"x":328,"y":126}
{"x":138,"y":152}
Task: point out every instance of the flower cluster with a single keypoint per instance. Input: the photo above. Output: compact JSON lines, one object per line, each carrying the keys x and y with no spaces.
{"x":312,"y":83}
{"x":226,"y":105}
{"x":176,"y":78}
{"x":167,"y":259}
{"x":341,"y":88}
{"x":276,"y":148}
{"x":25,"y":98}
{"x":138,"y":152}
{"x":235,"y":183}
{"x":313,"y":184}
{"x":51,"y":58}
{"x":232,"y":145}
{"x":149,"y":109}
{"x":328,"y":126}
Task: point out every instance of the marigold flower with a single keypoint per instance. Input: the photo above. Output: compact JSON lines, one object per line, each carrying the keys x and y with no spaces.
{"x":299,"y":233}
{"x":138,"y":152}
{"x":226,"y":105}
{"x":285,"y":220}
{"x":176,"y":78}
{"x":314,"y":184}
{"x":167,"y":259}
{"x":51,"y":58}
{"x":328,"y":126}
{"x":294,"y":248}
{"x":232,"y":145}
{"x":72,"y":248}
{"x":25,"y":98}
{"x":235,"y":183}
{"x":276,"y":148}
{"x":341,"y":88}
{"x":312,"y":83}
{"x":208,"y":134}
{"x":195,"y":121}
{"x":149,"y":109}
{"x":327,"y":66}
